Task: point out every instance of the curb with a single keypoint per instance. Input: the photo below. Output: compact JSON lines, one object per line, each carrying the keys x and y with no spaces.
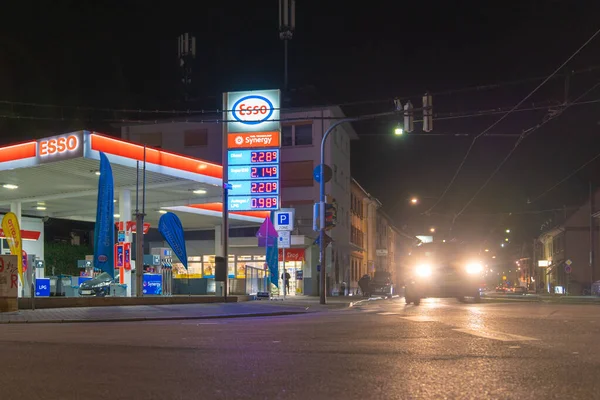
{"x":146,"y":319}
{"x":539,"y":300}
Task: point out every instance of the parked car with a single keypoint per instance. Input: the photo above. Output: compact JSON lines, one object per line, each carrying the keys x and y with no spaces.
{"x":381,"y":284}
{"x":98,"y":286}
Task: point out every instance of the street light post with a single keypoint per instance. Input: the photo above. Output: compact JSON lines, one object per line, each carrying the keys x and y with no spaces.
{"x":323,"y":297}
{"x":322,"y":294}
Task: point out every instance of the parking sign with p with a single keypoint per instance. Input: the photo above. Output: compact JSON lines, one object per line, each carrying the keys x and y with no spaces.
{"x":284,"y":219}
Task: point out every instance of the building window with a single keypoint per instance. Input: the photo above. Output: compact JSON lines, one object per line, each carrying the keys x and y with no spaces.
{"x":303,"y":135}
{"x":287,"y":135}
{"x":297,"y":135}
{"x":195,"y":137}
{"x":297,"y":174}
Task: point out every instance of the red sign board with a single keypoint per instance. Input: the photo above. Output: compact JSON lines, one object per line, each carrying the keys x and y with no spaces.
{"x":127,"y":253}
{"x":130,"y":226}
{"x":292,"y":255}
{"x":253,"y":140}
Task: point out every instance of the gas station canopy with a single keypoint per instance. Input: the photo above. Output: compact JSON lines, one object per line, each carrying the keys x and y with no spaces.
{"x":58,"y":177}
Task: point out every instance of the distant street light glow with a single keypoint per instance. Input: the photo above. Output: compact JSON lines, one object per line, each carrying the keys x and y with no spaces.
{"x":414,"y":200}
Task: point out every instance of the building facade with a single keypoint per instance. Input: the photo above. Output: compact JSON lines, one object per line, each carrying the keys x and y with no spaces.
{"x":359,"y":201}
{"x":565,"y":251}
{"x":302,"y":131}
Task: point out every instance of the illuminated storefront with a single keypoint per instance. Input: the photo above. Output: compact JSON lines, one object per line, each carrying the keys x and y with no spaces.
{"x":295,"y":266}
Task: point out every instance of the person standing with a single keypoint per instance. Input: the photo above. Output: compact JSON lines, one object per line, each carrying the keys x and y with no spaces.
{"x":287,"y":278}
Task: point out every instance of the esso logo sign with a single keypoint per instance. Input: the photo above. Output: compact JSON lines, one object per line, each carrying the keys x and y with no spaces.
{"x":59,"y":145}
{"x":252,"y":110}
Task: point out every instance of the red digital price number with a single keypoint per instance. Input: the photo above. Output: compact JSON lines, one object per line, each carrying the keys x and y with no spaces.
{"x":264,"y":202}
{"x":263,"y":156}
{"x":263,"y":187}
{"x":264,"y":172}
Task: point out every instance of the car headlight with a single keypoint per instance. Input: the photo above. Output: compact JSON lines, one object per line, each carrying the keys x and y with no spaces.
{"x":474,"y":268}
{"x":423,"y":270}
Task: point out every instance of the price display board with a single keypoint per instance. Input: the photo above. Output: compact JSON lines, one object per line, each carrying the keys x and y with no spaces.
{"x":253,"y":153}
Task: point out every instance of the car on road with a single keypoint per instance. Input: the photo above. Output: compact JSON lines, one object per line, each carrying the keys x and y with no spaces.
{"x":441,"y":270}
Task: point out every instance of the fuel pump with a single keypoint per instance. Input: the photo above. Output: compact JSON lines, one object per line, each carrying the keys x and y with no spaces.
{"x":165,"y":268}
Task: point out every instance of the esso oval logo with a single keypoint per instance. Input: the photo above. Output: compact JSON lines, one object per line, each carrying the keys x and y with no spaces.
{"x":252,"y":110}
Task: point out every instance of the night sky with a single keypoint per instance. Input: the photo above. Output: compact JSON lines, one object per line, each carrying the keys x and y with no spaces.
{"x":359,"y":54}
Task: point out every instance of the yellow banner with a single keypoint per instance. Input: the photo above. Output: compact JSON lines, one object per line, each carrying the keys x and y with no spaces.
{"x":12,"y":232}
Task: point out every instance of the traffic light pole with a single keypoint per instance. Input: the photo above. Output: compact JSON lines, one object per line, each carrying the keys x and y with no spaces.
{"x":323,"y":280}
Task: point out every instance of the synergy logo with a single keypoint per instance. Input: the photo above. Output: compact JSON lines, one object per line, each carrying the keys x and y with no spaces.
{"x":252,"y":110}
{"x":258,"y":140}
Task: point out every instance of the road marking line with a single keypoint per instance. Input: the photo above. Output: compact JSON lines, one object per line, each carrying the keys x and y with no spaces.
{"x":514,"y":347}
{"x":420,"y":318}
{"x":503,"y":337}
{"x":388,"y":313}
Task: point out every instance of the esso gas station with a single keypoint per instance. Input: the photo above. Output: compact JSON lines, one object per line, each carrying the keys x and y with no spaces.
{"x":57,"y":177}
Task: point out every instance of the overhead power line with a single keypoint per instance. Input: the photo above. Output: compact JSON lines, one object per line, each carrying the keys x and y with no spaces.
{"x":197,"y":119}
{"x":566,"y":178}
{"x":508,"y":212}
{"x":390,"y":100}
{"x":517,"y":143}
{"x":504,"y":116}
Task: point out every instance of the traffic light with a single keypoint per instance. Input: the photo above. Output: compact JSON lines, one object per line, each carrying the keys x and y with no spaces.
{"x":427,"y":113}
{"x":409,"y":125}
{"x":330,"y":215}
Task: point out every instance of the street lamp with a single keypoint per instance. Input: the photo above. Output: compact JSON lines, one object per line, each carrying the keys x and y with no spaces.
{"x":432,"y":230}
{"x":322,"y":280}
{"x":508,"y":231}
{"x":414,"y":200}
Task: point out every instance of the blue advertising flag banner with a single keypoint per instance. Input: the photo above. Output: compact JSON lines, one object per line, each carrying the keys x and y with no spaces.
{"x":171,"y":230}
{"x":104,"y":231}
{"x":273,"y":258}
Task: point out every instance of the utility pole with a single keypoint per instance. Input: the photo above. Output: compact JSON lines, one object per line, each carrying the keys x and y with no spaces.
{"x":287,"y":24}
{"x":139,"y":229}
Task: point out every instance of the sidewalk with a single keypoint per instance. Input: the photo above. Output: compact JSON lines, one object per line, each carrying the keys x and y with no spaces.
{"x":258,"y":308}
{"x":150,"y":313}
{"x":313,"y":302}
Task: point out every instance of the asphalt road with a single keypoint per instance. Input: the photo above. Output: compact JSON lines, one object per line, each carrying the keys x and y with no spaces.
{"x":385,"y":350}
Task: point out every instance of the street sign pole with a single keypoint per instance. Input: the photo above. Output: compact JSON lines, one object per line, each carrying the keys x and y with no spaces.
{"x":284,"y":271}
